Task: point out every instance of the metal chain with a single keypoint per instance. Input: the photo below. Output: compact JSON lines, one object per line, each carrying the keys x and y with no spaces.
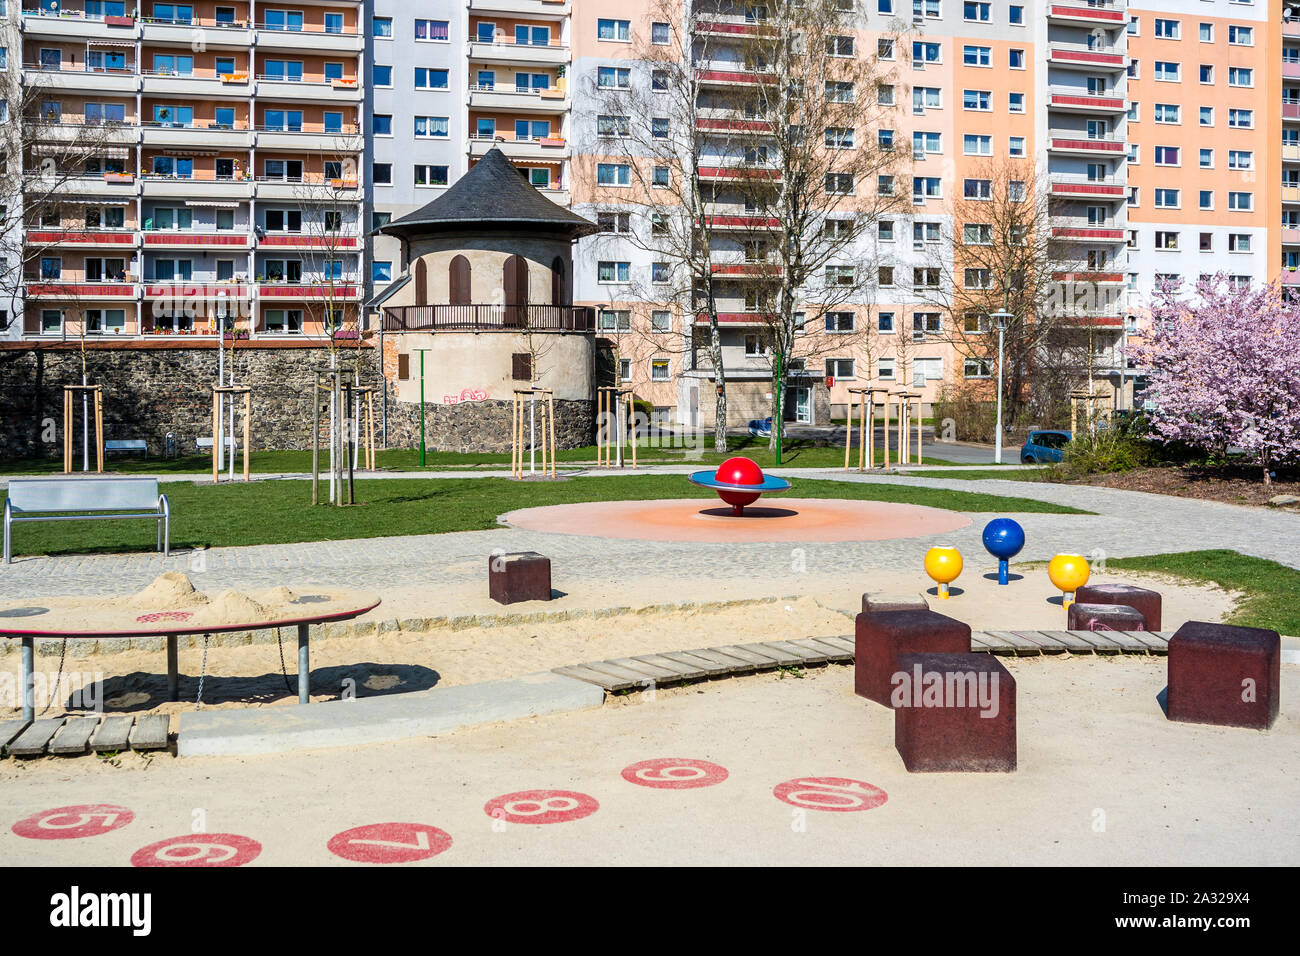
{"x":284,"y":671}
{"x":203,"y":672}
{"x":58,"y":679}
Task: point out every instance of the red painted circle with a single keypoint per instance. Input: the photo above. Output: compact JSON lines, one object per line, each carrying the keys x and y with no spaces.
{"x":199,"y":849}
{"x":73,"y":823}
{"x":541,"y":806}
{"x":739,"y":471}
{"x":838,"y":794}
{"x":390,"y":843}
{"x":164,"y":616}
{"x":675,"y":773}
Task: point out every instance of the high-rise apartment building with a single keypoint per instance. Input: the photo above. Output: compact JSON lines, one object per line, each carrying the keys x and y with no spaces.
{"x":1155,"y":128}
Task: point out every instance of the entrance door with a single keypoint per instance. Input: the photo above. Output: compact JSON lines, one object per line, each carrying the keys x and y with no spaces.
{"x":798,"y":405}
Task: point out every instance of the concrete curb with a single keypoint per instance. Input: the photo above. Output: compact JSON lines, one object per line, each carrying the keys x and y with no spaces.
{"x":372,"y":720}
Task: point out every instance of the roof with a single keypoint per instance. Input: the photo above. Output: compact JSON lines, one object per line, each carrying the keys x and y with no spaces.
{"x":379,"y":298}
{"x":493,"y":194}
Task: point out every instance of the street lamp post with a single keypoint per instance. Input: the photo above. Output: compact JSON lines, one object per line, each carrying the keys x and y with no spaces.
{"x":1001,"y":319}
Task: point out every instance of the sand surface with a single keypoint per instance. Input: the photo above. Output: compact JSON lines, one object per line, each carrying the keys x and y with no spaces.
{"x":134,"y":681}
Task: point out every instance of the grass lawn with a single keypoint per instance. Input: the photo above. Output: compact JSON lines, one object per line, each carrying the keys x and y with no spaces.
{"x":278,"y":512}
{"x":1270,"y":588}
{"x":800,"y":453}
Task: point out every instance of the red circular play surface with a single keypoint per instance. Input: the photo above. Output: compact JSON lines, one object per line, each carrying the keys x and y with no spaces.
{"x":697,"y":519}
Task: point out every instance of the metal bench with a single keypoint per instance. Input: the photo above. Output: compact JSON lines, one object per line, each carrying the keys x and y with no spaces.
{"x":205,"y":444}
{"x":78,"y":499}
{"x":127,"y":444}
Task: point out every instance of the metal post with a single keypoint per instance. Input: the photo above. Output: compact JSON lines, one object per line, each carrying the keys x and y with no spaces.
{"x":304,"y":664}
{"x":421,"y":408}
{"x":29,"y":704}
{"x":532,"y":432}
{"x":997,"y":435}
{"x":173,"y":670}
{"x":776,"y":417}
{"x":221,"y":380}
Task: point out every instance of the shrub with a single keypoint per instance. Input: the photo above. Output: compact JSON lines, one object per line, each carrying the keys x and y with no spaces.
{"x":1108,"y":450}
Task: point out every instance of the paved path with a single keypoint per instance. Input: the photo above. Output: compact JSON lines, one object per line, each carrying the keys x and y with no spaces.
{"x":1126,"y":523}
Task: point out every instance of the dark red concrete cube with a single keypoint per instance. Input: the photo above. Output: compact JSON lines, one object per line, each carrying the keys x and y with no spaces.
{"x":522,"y":576}
{"x":1145,"y":600}
{"x":1104,"y":617}
{"x":882,"y":635}
{"x":1226,"y":675}
{"x":884,"y":601}
{"x":955,"y":713}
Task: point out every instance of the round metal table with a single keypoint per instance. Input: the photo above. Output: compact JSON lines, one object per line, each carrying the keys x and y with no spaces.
{"x":32,"y":621}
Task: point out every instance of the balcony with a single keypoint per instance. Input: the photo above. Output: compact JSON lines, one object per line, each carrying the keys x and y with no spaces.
{"x":726,"y":125}
{"x":549,"y":148}
{"x":741,"y":223}
{"x":156,"y":186}
{"x":735,"y":320}
{"x":1290,"y":111}
{"x":722,"y":25}
{"x":310,"y":137}
{"x":511,"y":99}
{"x":1290,"y":277}
{"x":1087,"y":233}
{"x":1080,"y":56}
{"x":547,"y":9}
{"x":523,"y":54}
{"x":312,"y":37}
{"x":75,"y":25}
{"x":490,"y":318}
{"x":285,"y":240}
{"x":75,"y":131}
{"x":222,"y":35}
{"x":728,"y":76}
{"x":1097,"y":14}
{"x":1291,"y":235}
{"x":1087,"y":319}
{"x":171,"y":239}
{"x":197,"y":82}
{"x":308,"y":91}
{"x":1290,"y":26}
{"x":1079,"y":143}
{"x":1290,"y":193}
{"x":105,"y":185}
{"x":82,"y":80}
{"x":1291,"y":152}
{"x":1080,"y":186}
{"x":80,"y":290}
{"x":1089,"y":278}
{"x":316,"y":291}
{"x":739,"y":174}
{"x":1077,"y":99}
{"x":312,"y":188}
{"x":745,"y":270}
{"x":195,"y":135}
{"x":82,"y":239}
{"x":1291,"y":69}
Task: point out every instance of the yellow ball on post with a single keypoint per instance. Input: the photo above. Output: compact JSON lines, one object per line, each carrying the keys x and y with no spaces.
{"x":1068,"y":572}
{"x":943,"y":564}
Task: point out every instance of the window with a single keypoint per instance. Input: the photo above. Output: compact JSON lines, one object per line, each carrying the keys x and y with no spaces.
{"x":660,"y":177}
{"x":925,"y":277}
{"x":426,"y":30}
{"x":381,"y":271}
{"x":612,"y":125}
{"x":381,"y":75}
{"x":885,"y":369}
{"x":659,"y":81}
{"x":976,"y":11}
{"x":839,"y":322}
{"x":1015,"y":102}
{"x":975,"y":368}
{"x":1016,"y":190}
{"x":1016,"y":15}
{"x":613,"y":29}
{"x":926,"y":232}
{"x":1167,"y":240}
{"x":1134,"y":25}
{"x":1241,"y":119}
{"x":618,"y":320}
{"x":431,"y":127}
{"x":977,"y":278}
{"x":976,"y":100}
{"x":839,"y":184}
{"x":1167,"y":72}
{"x":926,"y":97}
{"x":1241,"y":36}
{"x":973,"y":144}
{"x":1241,"y":202}
{"x":659,"y":127}
{"x":426,"y":175}
{"x":1206,"y":74}
{"x":609,"y":271}
{"x":924,"y":53}
{"x":840,"y":46}
{"x":840,"y":275}
{"x":840,"y":368}
{"x":1205,"y":32}
{"x":977,"y":188}
{"x":1134,"y":154}
{"x":885,"y":322}
{"x":885,"y":49}
{"x":1239,"y":242}
{"x":382,"y":27}
{"x":659,"y":370}
{"x":1241,"y":159}
{"x":614,"y":221}
{"x":661,"y":320}
{"x":1168,"y":29}
{"x":659,"y":34}
{"x":977,"y":234}
{"x":659,"y":272}
{"x":1241,"y":76}
{"x":839,"y":91}
{"x":923,"y":322}
{"x":624,"y":366}
{"x":885,"y":185}
{"x":1167,"y":155}
{"x":977,"y":55}
{"x":926,"y":187}
{"x":1206,"y":199}
{"x":923,"y":142}
{"x":613,"y":174}
{"x":616,"y":77}
{"x":839,"y":137}
{"x":430,"y":79}
{"x":885,"y":276}
{"x":1168,"y":113}
{"x":1205,"y":116}
{"x":1207,"y":159}
{"x":1016,"y":59}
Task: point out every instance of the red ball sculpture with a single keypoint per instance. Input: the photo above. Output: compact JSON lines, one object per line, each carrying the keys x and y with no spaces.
{"x":734,"y":480}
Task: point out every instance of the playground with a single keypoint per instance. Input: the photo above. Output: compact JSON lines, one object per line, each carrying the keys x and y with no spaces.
{"x":705,"y":632}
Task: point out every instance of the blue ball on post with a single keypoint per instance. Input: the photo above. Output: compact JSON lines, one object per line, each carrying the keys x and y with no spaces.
{"x":1003,"y":538}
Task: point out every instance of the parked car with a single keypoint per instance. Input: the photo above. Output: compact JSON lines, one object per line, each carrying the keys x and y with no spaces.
{"x":761,"y":427}
{"x":1043,"y":446}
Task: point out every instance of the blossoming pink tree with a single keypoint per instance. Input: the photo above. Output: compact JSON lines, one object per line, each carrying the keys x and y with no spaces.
{"x":1225,"y":370}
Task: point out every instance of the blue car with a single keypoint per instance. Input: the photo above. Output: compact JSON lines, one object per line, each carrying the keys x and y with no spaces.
{"x":1044,"y":446}
{"x":761,"y":428}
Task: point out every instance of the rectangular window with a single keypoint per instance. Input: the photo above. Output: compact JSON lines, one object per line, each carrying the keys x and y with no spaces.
{"x":1241,"y":202}
{"x":660,"y":34}
{"x":426,"y":30}
{"x":1168,"y":72}
{"x":1168,"y":29}
{"x":614,"y":77}
{"x":1241,"y":119}
{"x":381,"y":75}
{"x":974,"y":144}
{"x":661,"y":320}
{"x":613,"y":174}
{"x":1167,"y":113}
{"x":981,"y":100}
{"x":977,"y":55}
{"x":426,"y":175}
{"x":659,"y":370}
{"x":430,"y":79}
{"x":610,"y":271}
{"x":1166,"y":198}
{"x":613,"y":29}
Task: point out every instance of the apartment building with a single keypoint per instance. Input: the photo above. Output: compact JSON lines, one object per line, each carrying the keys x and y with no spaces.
{"x":215,"y":174}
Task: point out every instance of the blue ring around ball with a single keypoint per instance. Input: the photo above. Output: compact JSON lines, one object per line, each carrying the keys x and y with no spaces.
{"x":706,"y":479}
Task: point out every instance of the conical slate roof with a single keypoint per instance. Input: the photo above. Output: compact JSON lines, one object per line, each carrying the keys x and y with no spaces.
{"x":492,"y":194}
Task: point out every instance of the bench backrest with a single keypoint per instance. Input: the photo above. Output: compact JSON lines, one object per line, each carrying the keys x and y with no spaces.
{"x":83,"y":494}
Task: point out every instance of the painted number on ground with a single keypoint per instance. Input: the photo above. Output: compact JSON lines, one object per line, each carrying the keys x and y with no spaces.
{"x":830,"y":793}
{"x":675,"y":773}
{"x":73,"y":823}
{"x":199,"y":849}
{"x":389,"y":843}
{"x":541,"y":806}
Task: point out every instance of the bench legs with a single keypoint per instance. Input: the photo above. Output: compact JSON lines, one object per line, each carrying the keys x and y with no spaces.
{"x":304,"y":664}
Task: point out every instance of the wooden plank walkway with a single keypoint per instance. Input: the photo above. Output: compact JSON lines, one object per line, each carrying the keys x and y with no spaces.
{"x":75,"y":735}
{"x":733,"y":660}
